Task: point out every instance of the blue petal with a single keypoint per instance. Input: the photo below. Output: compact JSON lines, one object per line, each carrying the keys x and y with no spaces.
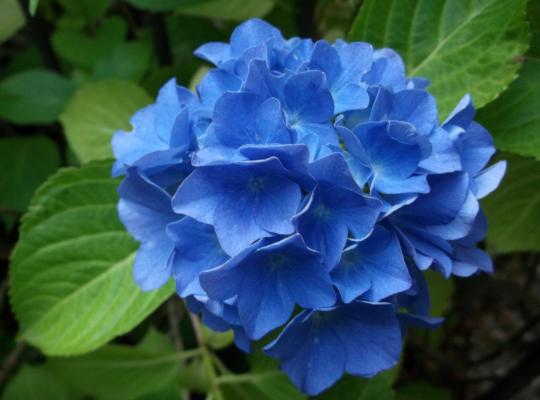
{"x":214,"y":52}
{"x":313,"y":360}
{"x":489,"y":179}
{"x":152,"y":266}
{"x":307,"y":98}
{"x":214,"y":84}
{"x":128,"y":147}
{"x":196,"y":249}
{"x":462,"y":115}
{"x":476,"y":148}
{"x":144,"y":208}
{"x":171,"y":99}
{"x":333,"y":170}
{"x":374,"y":267}
{"x":387,"y":70}
{"x":252,"y":33}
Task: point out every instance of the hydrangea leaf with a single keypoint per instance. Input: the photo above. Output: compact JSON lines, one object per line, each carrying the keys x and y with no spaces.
{"x":20,"y":104}
{"x":461,"y":46}
{"x":119,"y":371}
{"x":71,"y":280}
{"x":11,"y":18}
{"x":128,"y":61}
{"x":235,"y":10}
{"x":514,"y":118}
{"x":90,"y":10}
{"x":76,"y":46}
{"x":377,"y":388}
{"x":513,"y":212}
{"x":35,"y":383}
{"x":264,"y":386}
{"x":30,"y":160}
{"x":96,"y":111}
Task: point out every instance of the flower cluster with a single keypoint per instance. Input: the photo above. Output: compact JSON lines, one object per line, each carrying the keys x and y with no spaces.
{"x":304,"y":187}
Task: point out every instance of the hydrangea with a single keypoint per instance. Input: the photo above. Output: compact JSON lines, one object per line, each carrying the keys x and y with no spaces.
{"x":300,"y":192}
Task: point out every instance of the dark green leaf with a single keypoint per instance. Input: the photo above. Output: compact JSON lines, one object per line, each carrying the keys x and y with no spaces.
{"x":119,"y":372}
{"x":89,"y":10}
{"x":35,"y":383}
{"x":74,"y":45}
{"x":441,"y":290}
{"x":34,"y":96}
{"x":128,"y":61}
{"x":419,"y":390}
{"x":461,"y":46}
{"x":71,"y":280}
{"x":96,"y":111}
{"x":513,"y":211}
{"x":264,"y":386}
{"x":235,"y":10}
{"x":29,"y":160}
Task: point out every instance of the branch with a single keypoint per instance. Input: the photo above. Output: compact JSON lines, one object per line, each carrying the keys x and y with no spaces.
{"x":11,"y":362}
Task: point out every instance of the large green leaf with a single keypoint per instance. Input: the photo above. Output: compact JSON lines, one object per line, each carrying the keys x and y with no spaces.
{"x":513,"y":211}
{"x":462,"y":46}
{"x":29,"y":160}
{"x":119,"y":372}
{"x":514,"y":118}
{"x":96,"y":111}
{"x":34,"y":97}
{"x":235,"y":10}
{"x":351,"y":387}
{"x":261,"y":386}
{"x":89,"y":10}
{"x":35,"y":383}
{"x":128,"y":61}
{"x":71,"y":283}
{"x":11,"y":18}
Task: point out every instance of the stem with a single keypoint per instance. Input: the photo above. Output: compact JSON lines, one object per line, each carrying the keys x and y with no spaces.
{"x":38,"y":35}
{"x":174,"y":314}
{"x":11,"y":361}
{"x":207,"y":359}
{"x":160,"y":38}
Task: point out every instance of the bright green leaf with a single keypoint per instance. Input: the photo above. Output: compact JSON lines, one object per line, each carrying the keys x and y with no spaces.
{"x":28,"y":160}
{"x":34,"y":96}
{"x":11,"y":18}
{"x":217,"y":340}
{"x":33,"y":6}
{"x":461,"y":46}
{"x":128,"y":61}
{"x":514,"y":118}
{"x":513,"y":211}
{"x":96,"y":111}
{"x":119,"y":372}
{"x":235,"y":10}
{"x":71,"y":280}
{"x":35,"y":383}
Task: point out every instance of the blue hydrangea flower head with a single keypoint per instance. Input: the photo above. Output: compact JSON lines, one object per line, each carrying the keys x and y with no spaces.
{"x":301,"y":191}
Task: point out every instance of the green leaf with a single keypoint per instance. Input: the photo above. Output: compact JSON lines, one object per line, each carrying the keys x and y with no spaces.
{"x":89,"y":10}
{"x":217,"y":340}
{"x":235,"y":10}
{"x":71,"y":283}
{"x":77,"y":46}
{"x":119,"y":372}
{"x":441,"y":290}
{"x":513,"y":211}
{"x":29,"y":160}
{"x":33,"y":6}
{"x":35,"y":383}
{"x":11,"y":18}
{"x":159,"y":5}
{"x":96,"y":111}
{"x":462,"y":46}
{"x":351,"y":387}
{"x":514,"y":118}
{"x":34,"y":96}
{"x":264,"y":386}
{"x":419,"y":390}
{"x":128,"y":61}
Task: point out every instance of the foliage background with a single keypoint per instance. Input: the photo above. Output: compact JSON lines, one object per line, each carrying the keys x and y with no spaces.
{"x":76,"y":326}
